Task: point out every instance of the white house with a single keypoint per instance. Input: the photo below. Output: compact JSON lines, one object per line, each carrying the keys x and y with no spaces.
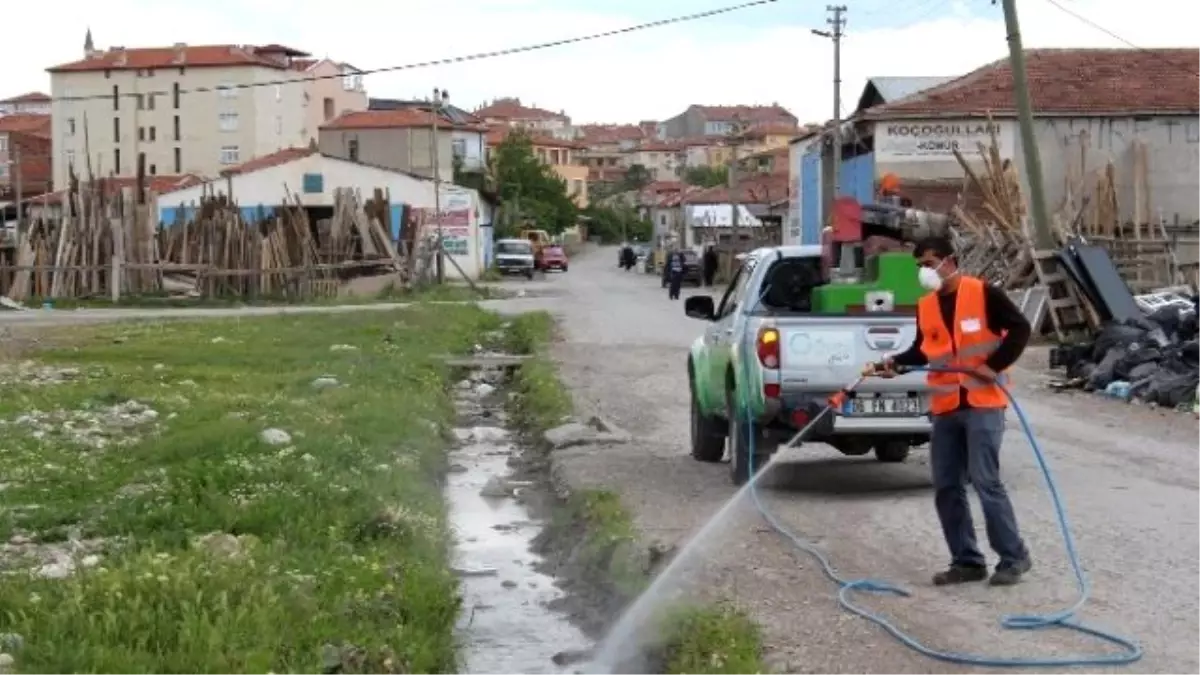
{"x":262,"y":184}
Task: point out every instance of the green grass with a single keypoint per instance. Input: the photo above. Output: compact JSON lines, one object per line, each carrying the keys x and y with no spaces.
{"x":694,"y":639}
{"x":339,"y":537}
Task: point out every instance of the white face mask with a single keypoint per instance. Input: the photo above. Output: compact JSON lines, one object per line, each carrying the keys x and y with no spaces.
{"x":929,"y":278}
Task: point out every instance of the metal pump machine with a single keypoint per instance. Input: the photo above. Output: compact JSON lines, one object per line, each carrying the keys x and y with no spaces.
{"x":884,"y":281}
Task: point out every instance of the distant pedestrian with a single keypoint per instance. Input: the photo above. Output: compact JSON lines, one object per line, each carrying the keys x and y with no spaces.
{"x":710,"y":264}
{"x":675,"y":271}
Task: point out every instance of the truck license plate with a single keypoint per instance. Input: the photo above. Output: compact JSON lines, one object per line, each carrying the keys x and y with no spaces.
{"x":880,"y":406}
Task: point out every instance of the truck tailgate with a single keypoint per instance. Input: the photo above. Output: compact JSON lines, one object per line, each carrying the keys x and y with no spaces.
{"x":828,"y":353}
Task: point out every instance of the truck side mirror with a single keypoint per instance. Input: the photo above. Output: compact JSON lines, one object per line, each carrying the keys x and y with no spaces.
{"x":700,"y":307}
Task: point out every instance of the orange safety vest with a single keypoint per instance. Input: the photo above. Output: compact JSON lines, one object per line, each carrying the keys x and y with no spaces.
{"x":967,"y":345}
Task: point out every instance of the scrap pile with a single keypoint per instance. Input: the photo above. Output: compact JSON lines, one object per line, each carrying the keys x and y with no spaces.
{"x":109,"y":243}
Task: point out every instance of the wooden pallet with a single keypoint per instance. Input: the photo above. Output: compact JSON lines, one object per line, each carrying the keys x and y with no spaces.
{"x":1071,"y":315}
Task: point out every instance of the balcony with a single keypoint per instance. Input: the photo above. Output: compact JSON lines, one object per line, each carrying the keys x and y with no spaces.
{"x":468,"y":163}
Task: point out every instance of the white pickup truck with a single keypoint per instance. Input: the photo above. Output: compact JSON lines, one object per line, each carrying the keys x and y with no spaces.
{"x":765,"y":357}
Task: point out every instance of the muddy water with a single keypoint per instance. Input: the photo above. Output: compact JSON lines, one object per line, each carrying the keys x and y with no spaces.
{"x":506,"y":624}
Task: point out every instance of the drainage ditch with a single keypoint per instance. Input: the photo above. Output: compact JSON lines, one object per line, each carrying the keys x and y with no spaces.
{"x":510,"y":621}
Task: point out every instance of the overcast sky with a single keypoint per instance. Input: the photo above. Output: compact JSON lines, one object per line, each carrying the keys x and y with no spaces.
{"x":762,"y":54}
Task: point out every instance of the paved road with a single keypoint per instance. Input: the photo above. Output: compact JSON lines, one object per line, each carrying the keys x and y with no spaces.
{"x":1129,"y":477}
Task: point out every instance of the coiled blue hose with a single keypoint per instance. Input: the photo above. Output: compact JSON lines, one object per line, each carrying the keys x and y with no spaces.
{"x":1130,"y":650}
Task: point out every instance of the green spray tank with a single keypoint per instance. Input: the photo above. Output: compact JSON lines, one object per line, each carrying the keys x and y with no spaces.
{"x":883,"y":282}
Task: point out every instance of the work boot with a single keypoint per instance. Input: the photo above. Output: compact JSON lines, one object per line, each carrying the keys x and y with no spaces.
{"x":1008,"y":574}
{"x":960,"y":574}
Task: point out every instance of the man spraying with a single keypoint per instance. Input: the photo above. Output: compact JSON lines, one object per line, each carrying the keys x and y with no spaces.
{"x":966,"y":323}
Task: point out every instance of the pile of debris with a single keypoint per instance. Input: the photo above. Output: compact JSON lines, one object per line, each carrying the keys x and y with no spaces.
{"x":1153,"y":358}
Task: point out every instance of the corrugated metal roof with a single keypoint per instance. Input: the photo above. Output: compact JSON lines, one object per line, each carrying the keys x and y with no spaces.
{"x":895,"y":88}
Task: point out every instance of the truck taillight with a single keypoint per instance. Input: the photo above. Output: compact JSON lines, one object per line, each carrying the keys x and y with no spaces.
{"x":768,"y":348}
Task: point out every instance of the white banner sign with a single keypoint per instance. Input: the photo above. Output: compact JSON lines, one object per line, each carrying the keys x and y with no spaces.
{"x":935,"y":140}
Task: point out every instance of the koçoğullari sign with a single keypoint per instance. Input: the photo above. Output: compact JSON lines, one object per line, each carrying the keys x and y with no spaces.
{"x":935,"y":140}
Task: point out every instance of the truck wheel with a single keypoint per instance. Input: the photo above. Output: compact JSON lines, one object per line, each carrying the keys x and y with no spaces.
{"x":708,"y":436}
{"x":892,"y":451}
{"x":739,"y":447}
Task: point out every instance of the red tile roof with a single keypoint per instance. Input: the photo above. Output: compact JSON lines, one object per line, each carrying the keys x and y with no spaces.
{"x":1066,"y":81}
{"x":31,"y":97}
{"x":597,"y":134}
{"x":400,"y":118}
{"x":192,"y":56}
{"x":759,"y":189}
{"x":769,"y":129}
{"x":160,"y":184}
{"x":497,"y":134}
{"x":660,"y":146}
{"x":26,"y":123}
{"x":276,"y":158}
{"x":746,"y":113}
{"x":512,"y":110}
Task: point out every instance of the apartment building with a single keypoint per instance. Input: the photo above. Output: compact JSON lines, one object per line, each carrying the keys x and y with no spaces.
{"x":33,"y":103}
{"x":662,"y":159}
{"x":719,"y":120}
{"x":194,"y":109}
{"x":400,"y":139}
{"x":510,"y":112}
{"x":556,"y":153}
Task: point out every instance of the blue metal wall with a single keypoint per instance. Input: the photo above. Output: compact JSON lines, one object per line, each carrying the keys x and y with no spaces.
{"x":170,"y":215}
{"x":810,"y":199}
{"x":857,"y":178}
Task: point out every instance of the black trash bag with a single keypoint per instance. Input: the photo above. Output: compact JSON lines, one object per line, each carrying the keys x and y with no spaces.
{"x":1104,"y":372}
{"x":1142,"y":371}
{"x":1081,"y":369}
{"x":1135,"y":356}
{"x":1168,"y":318}
{"x":1171,"y":389}
{"x":1189,"y":352}
{"x":1113,"y":335}
{"x":1189,"y":326}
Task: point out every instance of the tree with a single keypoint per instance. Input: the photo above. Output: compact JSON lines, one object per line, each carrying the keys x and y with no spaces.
{"x":615,"y":223}
{"x":529,"y":191}
{"x":706,"y":176}
{"x":637,"y":177}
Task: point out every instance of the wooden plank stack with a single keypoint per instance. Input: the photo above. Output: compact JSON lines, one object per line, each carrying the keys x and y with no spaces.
{"x":108,"y":243}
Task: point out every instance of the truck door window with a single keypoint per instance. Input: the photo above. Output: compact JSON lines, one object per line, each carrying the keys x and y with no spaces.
{"x":733,"y":296}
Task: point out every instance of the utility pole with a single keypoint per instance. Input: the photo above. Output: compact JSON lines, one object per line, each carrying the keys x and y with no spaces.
{"x":735,"y":138}
{"x":838,"y":22}
{"x":1043,"y":239}
{"x":18,"y":181}
{"x":440,"y":96}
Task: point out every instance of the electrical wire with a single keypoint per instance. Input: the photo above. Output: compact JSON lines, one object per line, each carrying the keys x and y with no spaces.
{"x":685,"y":18}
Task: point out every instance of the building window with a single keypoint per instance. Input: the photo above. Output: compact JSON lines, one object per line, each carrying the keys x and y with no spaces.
{"x":178,"y":161}
{"x":116,"y":97}
{"x":117,"y":161}
{"x":175,"y":95}
{"x":227,"y":90}
{"x":4,"y":145}
{"x":150,"y":100}
{"x":313,"y":183}
{"x":328,"y":109}
{"x":116,"y":130}
{"x":177,"y":127}
{"x":153,"y":134}
{"x":230,"y":154}
{"x":4,"y":170}
{"x":352,"y":149}
{"x":141,"y":133}
{"x":227,"y":121}
{"x":459,"y":147}
{"x":153,"y":169}
{"x":139,"y":101}
{"x":70,"y":130}
{"x":279,"y":124}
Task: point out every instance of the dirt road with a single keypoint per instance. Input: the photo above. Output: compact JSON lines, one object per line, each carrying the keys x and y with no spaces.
{"x":1128,"y":476}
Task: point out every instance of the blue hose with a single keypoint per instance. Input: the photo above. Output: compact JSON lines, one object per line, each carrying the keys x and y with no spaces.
{"x":1065,"y":618}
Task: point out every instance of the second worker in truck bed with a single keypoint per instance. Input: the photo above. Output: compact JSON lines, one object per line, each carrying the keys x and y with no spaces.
{"x":965,"y":322}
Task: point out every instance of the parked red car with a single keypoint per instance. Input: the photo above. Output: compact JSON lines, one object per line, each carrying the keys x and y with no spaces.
{"x":553,"y":258}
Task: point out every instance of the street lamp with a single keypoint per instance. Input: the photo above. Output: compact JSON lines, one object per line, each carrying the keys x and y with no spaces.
{"x":440,"y":97}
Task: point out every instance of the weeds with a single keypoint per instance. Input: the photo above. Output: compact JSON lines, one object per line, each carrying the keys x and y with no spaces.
{"x":194,"y":541}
